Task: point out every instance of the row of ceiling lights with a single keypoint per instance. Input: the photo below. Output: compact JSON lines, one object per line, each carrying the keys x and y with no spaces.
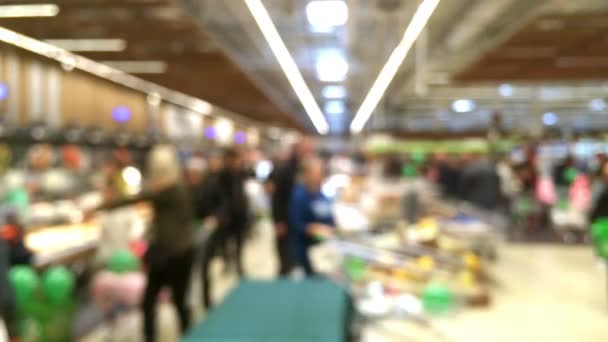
{"x":85,"y":45}
{"x":325,"y":16}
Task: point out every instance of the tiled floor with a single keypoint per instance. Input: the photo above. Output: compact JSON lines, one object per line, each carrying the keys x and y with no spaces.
{"x":544,"y":293}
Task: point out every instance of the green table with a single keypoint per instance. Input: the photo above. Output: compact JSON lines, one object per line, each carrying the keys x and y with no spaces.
{"x":279,"y":311}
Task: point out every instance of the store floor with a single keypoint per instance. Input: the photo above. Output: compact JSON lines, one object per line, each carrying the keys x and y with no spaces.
{"x":543,"y":293}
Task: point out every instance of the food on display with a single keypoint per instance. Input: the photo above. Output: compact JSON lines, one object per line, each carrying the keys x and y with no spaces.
{"x":434,"y":264}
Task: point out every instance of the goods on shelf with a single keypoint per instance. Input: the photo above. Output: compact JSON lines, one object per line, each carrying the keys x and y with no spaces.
{"x":432,"y":256}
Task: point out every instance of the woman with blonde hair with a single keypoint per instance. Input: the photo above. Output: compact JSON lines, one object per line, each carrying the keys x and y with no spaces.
{"x":171,"y":237}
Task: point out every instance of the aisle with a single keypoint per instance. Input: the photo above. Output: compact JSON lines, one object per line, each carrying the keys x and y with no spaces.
{"x":546,"y":293}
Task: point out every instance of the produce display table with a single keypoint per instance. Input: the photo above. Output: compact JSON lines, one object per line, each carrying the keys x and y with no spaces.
{"x":283,"y":310}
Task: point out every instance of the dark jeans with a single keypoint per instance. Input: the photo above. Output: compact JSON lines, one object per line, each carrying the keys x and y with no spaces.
{"x":284,"y":254}
{"x":221,"y":243}
{"x":174,"y":271}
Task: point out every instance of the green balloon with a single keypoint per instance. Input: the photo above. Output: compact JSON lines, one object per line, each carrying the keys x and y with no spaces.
{"x":570,"y":174}
{"x":437,"y":299}
{"x":599,"y":233}
{"x":58,"y":284}
{"x":17,"y":197}
{"x":355,"y":268}
{"x":123,"y":261}
{"x":418,"y":155}
{"x":24,"y":281}
{"x":523,"y":206}
{"x":409,"y":171}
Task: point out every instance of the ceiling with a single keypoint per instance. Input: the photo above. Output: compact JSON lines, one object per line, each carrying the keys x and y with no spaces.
{"x":464,"y":53}
{"x":159,"y":30}
{"x":522,"y":58}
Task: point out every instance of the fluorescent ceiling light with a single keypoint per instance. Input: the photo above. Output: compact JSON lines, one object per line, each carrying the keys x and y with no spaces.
{"x":550,"y":119}
{"x":334,"y":92}
{"x":463,"y":105}
{"x":331,"y":67}
{"x":138,"y":67}
{"x":505,"y":90}
{"x":334,"y":107}
{"x":597,"y":105}
{"x":262,"y":18}
{"x":326,"y":15}
{"x":26,"y":11}
{"x":84,"y":45}
{"x":388,"y":72}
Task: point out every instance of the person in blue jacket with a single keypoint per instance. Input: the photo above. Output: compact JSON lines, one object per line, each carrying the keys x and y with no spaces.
{"x":310,"y":213}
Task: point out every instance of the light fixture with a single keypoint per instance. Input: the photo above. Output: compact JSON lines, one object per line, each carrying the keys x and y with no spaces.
{"x":3,"y":91}
{"x":225,"y":130}
{"x":334,"y":92}
{"x":331,"y":67}
{"x":263,"y":169}
{"x":334,"y":107}
{"x":203,"y":107}
{"x":92,"y":44}
{"x":121,"y":114}
{"x":68,"y":63}
{"x":139,"y":67}
{"x":463,"y":106}
{"x":325,"y":15}
{"x":597,"y":105}
{"x":28,"y":11}
{"x":388,"y":72}
{"x":240,"y":137}
{"x":262,"y":18}
{"x":505,"y":90}
{"x":210,"y":132}
{"x":132,"y":178}
{"x":550,"y":119}
{"x":154,"y":99}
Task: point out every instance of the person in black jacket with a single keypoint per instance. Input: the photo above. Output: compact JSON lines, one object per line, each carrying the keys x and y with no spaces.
{"x":283,"y":179}
{"x":480,"y":184}
{"x":170,"y":253}
{"x":227,"y":202}
{"x":233,"y":214}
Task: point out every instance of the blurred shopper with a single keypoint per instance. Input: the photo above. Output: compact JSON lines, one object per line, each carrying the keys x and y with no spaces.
{"x":559,"y":172}
{"x":480,"y":184}
{"x":310,"y":213}
{"x":6,"y":292}
{"x":233,"y":215}
{"x":283,"y":179}
{"x":600,"y":207}
{"x":195,"y":168}
{"x":450,"y":172}
{"x":227,"y":203}
{"x":170,"y":253}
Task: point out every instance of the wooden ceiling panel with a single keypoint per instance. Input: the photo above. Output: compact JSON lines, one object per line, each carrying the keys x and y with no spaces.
{"x":552,"y":47}
{"x":159,"y":30}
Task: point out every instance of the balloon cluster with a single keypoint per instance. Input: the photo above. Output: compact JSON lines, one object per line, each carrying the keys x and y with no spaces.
{"x":44,"y":305}
{"x":56,"y":287}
